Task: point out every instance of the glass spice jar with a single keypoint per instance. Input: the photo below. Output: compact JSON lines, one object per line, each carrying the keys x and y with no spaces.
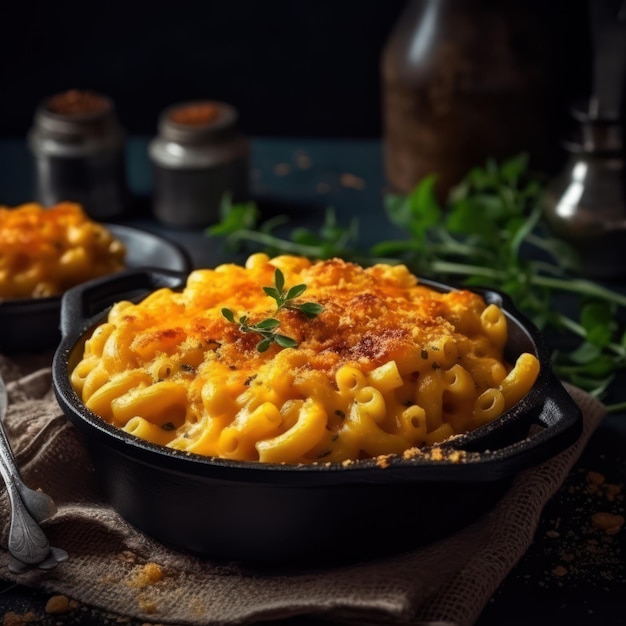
{"x":198,"y":156}
{"x":79,"y":151}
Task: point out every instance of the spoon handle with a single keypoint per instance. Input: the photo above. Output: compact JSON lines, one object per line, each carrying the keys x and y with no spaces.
{"x":40,"y":505}
{"x":27,"y":541}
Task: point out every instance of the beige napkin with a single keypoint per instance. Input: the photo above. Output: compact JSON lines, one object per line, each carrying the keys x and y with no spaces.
{"x":110,"y":564}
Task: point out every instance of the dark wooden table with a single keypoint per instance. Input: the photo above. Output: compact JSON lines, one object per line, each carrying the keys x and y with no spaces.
{"x":572,"y":574}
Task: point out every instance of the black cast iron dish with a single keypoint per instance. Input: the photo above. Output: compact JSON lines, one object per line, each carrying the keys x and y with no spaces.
{"x":305,"y":514}
{"x":32,"y":324}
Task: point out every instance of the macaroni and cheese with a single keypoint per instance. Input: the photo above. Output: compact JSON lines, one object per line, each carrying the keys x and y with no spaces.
{"x":44,"y":251}
{"x":388,"y":365}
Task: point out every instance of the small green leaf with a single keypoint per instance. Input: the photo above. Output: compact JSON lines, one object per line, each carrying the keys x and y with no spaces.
{"x":311,"y":309}
{"x":285,"y":342}
{"x":296,"y":291}
{"x":598,"y":321}
{"x":513,"y":169}
{"x":234,"y":217}
{"x":279,"y":280}
{"x":229,"y":315}
{"x":417,"y":212}
{"x":264,"y":344}
{"x":272,"y":292}
{"x":268,"y":324}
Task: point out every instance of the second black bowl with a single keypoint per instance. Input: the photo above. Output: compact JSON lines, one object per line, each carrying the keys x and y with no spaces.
{"x":32,"y":324}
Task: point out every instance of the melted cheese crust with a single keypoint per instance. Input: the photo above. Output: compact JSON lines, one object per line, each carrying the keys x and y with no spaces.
{"x":45,"y":251}
{"x":388,"y":365}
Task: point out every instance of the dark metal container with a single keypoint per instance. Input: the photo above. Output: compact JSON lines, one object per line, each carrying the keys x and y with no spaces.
{"x":79,"y":153}
{"x":307,"y":514}
{"x":198,"y":157}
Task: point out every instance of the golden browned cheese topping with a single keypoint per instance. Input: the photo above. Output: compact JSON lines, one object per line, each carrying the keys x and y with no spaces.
{"x":387,"y":365}
{"x":44,"y":251}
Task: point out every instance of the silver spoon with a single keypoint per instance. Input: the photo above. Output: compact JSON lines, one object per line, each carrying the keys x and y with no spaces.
{"x":39,"y":504}
{"x":28,"y":545}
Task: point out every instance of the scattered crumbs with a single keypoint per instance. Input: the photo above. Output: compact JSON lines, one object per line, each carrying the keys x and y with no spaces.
{"x":586,"y":545}
{"x":282,"y":169}
{"x":456,"y":456}
{"x":19,"y":619}
{"x":436,"y":454}
{"x":596,"y":484}
{"x":145,"y":575}
{"x":382,"y":460}
{"x":411,"y":453}
{"x":56,"y":605}
{"x":610,"y":523}
{"x":126,"y":556}
{"x":322,"y":188}
{"x":147,"y":605}
{"x":303,"y":160}
{"x":352,"y":182}
{"x":595,"y":478}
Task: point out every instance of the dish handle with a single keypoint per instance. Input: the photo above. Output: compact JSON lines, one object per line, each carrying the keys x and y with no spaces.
{"x":82,"y":302}
{"x":557,"y":426}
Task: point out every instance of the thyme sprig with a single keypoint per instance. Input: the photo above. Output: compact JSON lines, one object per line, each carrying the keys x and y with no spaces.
{"x":241,"y":225}
{"x":285,"y":298}
{"x":490,"y":231}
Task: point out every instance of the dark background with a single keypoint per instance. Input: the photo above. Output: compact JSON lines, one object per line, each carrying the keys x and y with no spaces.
{"x":307,"y":68}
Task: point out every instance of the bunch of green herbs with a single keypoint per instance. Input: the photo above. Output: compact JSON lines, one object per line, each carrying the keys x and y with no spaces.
{"x":490,"y":231}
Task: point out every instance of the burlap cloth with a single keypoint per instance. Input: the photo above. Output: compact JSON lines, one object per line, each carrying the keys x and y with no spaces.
{"x":446,"y":582}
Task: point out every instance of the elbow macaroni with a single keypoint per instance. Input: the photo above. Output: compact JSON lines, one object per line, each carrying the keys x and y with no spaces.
{"x":388,"y":365}
{"x":44,"y":251}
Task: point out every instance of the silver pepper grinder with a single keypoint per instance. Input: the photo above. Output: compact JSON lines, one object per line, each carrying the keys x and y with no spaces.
{"x":586,"y":203}
{"x":78,"y":147}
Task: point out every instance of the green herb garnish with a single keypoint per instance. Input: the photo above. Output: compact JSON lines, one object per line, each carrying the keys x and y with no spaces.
{"x":490,"y":231}
{"x":240,"y":225}
{"x":267,"y":328}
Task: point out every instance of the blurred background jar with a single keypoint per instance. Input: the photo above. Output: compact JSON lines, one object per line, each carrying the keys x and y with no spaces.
{"x":198,"y":156}
{"x":464,"y":81}
{"x":78,"y":147}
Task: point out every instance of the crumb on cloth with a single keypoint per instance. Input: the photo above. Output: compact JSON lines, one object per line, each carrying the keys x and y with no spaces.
{"x":146,"y":575}
{"x":20,"y":619}
{"x":59,"y":604}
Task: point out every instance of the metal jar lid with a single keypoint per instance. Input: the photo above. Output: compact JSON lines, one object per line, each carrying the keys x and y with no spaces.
{"x":75,"y":123}
{"x":197,"y":122}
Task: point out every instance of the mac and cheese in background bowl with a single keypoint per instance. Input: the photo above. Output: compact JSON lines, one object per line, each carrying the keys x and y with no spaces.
{"x":45,"y":251}
{"x":391,"y":411}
